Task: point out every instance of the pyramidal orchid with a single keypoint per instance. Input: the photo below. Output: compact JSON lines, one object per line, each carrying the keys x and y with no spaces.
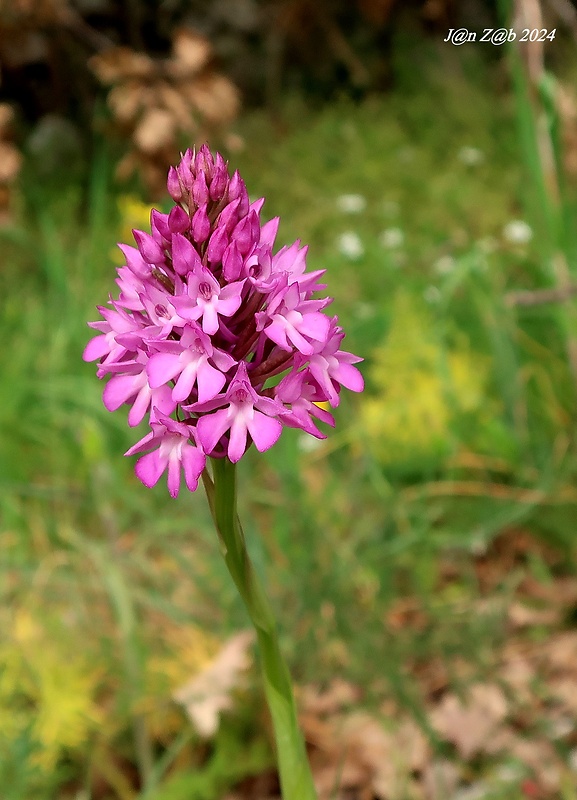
{"x":219,"y":342}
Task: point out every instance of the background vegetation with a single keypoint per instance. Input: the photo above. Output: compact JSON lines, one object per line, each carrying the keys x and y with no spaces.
{"x":422,"y":559}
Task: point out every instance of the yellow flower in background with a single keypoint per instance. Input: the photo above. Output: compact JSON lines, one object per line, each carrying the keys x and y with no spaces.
{"x":55,"y":677}
{"x":134,"y":213}
{"x":421,"y":389}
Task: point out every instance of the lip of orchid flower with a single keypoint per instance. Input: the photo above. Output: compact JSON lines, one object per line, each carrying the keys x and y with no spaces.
{"x":247,"y":413}
{"x":290,"y":324}
{"x":106,"y":346}
{"x":174,"y":450}
{"x":331,"y":366}
{"x":206,"y":320}
{"x":133,"y":386}
{"x":303,"y":393}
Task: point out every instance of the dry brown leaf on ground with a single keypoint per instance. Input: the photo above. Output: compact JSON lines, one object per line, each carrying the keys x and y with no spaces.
{"x":525,"y":616}
{"x":127,"y":100}
{"x":215,"y":97}
{"x":159,"y":104}
{"x":357,"y":753}
{"x":540,"y":757}
{"x":155,"y":131}
{"x":440,"y":779}
{"x":560,"y":592}
{"x":564,"y":690}
{"x":6,"y":119}
{"x":210,"y":692}
{"x":339,"y":694}
{"x":120,"y":64}
{"x":470,"y":724}
{"x":518,"y":674}
{"x":191,"y":53}
{"x":173,"y":100}
{"x":10,"y":162}
{"x":560,"y":652}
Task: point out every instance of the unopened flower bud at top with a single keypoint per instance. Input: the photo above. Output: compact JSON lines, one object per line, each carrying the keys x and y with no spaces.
{"x":232,"y":262}
{"x":178,"y":220}
{"x":218,"y":183}
{"x":159,"y":227}
{"x":150,"y":249}
{"x":173,"y":185}
{"x":204,"y":163}
{"x":217,"y":245}
{"x":200,"y":225}
{"x":185,"y":258}
{"x":237,"y":191}
{"x":229,"y":216}
{"x":200,"y":190}
{"x":244,"y":235}
{"x":184,"y":171}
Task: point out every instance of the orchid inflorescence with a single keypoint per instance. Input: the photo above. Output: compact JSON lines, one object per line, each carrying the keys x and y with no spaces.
{"x":218,"y":340}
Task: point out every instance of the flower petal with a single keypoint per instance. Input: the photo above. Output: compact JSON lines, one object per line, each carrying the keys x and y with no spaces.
{"x":210,"y":382}
{"x":209,"y":319}
{"x":315,"y":325}
{"x":237,"y":443}
{"x":161,"y":368}
{"x":174,"y":474}
{"x":211,"y":428}
{"x":264,"y":430}
{"x":96,"y":348}
{"x":193,"y":462}
{"x":149,"y":468}
{"x":140,"y":406}
{"x":349,"y":376}
{"x":119,"y":390}
{"x":186,"y":381}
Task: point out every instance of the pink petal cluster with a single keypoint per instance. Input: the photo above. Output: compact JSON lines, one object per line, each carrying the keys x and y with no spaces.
{"x":214,"y":338}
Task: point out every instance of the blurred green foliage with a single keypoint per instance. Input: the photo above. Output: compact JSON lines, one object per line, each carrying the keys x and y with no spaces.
{"x":112,"y":594}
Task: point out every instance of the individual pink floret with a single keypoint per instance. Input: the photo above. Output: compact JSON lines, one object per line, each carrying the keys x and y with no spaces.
{"x":246,"y":413}
{"x":187,"y":362}
{"x":205,"y":299}
{"x":174,"y":450}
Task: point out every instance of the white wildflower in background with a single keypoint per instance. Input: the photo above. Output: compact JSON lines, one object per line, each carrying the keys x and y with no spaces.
{"x":365,"y":310}
{"x":351,"y":203}
{"x":350,"y":245}
{"x":470,"y":156}
{"x":307,"y":444}
{"x":517,"y":232}
{"x":432,"y":294}
{"x":392,"y":238}
{"x":444,"y":265}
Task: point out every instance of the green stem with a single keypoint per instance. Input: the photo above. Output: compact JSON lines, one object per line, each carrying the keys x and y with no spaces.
{"x":294,"y":769}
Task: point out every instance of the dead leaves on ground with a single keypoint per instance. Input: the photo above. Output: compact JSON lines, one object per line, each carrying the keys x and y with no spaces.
{"x":10,"y":161}
{"x":157,"y":103}
{"x":210,"y":691}
{"x":517,"y":733}
{"x":509,"y":727}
